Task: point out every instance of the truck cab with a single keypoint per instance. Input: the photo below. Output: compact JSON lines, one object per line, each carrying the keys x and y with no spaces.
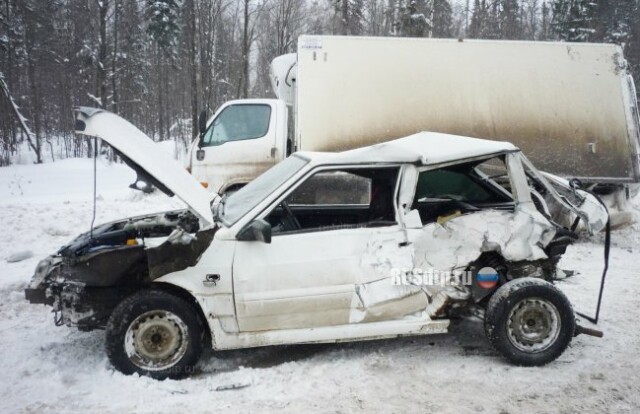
{"x":243,"y":139}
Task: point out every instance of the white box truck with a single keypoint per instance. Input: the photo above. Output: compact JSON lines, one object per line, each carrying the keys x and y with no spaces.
{"x":571,"y":107}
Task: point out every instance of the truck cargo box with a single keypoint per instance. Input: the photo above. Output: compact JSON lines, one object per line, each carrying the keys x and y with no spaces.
{"x":571,"y":107}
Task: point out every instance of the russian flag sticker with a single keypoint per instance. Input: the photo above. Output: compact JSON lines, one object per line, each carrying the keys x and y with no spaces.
{"x":487,"y":278}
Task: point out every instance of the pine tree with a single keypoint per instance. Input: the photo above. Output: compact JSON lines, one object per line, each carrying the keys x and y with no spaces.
{"x":163,"y":27}
{"x":477,"y":19}
{"x":573,"y":20}
{"x":133,"y":65}
{"x":510,"y":22}
{"x":349,"y":16}
{"x":618,"y":21}
{"x":442,"y":18}
{"x":414,"y":21}
{"x":492,"y":28}
{"x":615,"y":20}
{"x":546,"y":32}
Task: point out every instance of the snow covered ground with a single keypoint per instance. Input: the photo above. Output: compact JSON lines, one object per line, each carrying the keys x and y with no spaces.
{"x":48,"y":369}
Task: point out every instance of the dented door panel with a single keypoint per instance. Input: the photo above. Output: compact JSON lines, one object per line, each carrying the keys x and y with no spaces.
{"x":315,"y":279}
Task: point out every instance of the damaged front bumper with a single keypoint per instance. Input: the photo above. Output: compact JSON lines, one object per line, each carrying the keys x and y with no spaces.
{"x":73,"y":303}
{"x":88,"y":277}
{"x":37,"y":293}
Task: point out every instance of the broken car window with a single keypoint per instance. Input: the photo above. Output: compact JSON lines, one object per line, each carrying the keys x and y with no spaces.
{"x":462,"y":188}
{"x":494,"y":169}
{"x":448,"y":184}
{"x":347,"y":198}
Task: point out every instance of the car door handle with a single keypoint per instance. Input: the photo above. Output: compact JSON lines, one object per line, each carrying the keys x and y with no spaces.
{"x":211,"y":280}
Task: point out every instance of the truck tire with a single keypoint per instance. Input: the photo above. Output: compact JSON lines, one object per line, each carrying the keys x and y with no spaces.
{"x":529,"y":321}
{"x":156,"y":334}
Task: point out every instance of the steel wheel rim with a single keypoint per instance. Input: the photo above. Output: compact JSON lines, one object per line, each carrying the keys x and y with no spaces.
{"x":156,"y":340}
{"x":533,"y":325}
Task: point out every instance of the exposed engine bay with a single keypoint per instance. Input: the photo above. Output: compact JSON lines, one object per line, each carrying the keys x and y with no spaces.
{"x":88,"y":277}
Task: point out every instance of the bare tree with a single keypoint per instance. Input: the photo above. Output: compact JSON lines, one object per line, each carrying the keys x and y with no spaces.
{"x":22,"y":121}
{"x":191,"y":28}
{"x":101,"y":63}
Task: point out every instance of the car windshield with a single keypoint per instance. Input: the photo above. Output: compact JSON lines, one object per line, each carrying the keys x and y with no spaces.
{"x":244,"y":200}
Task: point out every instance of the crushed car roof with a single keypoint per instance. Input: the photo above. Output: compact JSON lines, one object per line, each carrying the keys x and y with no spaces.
{"x":425,"y":148}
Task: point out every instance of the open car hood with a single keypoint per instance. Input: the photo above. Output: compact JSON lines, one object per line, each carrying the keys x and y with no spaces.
{"x":145,"y":157}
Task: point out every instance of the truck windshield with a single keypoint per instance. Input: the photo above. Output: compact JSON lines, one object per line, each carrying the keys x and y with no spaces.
{"x":237,"y":123}
{"x":244,"y":200}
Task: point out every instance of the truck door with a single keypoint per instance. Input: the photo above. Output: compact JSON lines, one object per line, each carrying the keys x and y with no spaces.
{"x":244,"y":138}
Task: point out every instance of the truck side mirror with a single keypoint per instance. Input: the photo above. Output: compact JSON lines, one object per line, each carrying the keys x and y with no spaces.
{"x":257,"y":230}
{"x":202,"y":123}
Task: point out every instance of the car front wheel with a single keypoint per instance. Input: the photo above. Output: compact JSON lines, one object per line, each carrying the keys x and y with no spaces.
{"x":529,"y":321}
{"x":154,"y":333}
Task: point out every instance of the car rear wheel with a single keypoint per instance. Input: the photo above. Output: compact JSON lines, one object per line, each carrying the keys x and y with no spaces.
{"x":156,"y":334}
{"x":529,"y":321}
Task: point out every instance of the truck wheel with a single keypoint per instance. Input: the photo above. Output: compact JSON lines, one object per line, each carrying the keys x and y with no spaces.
{"x":154,"y":333}
{"x":529,"y":321}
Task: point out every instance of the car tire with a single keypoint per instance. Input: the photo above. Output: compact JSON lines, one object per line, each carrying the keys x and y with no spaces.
{"x":154,"y":333}
{"x":529,"y":321}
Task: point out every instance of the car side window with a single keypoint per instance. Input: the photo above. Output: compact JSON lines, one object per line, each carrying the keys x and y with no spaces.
{"x":345,"y":198}
{"x":332,"y":188}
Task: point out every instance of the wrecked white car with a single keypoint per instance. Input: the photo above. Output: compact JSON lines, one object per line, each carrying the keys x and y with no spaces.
{"x":390,"y":240}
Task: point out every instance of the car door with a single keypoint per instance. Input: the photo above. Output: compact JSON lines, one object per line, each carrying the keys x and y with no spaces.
{"x":314,"y":276}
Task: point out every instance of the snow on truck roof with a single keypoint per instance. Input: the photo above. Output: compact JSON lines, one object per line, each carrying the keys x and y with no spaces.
{"x":425,"y":148}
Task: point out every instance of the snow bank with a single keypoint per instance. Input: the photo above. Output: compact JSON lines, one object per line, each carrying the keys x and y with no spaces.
{"x":65,"y":180}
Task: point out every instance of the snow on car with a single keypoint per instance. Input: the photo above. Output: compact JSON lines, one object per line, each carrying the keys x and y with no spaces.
{"x":390,"y":240}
